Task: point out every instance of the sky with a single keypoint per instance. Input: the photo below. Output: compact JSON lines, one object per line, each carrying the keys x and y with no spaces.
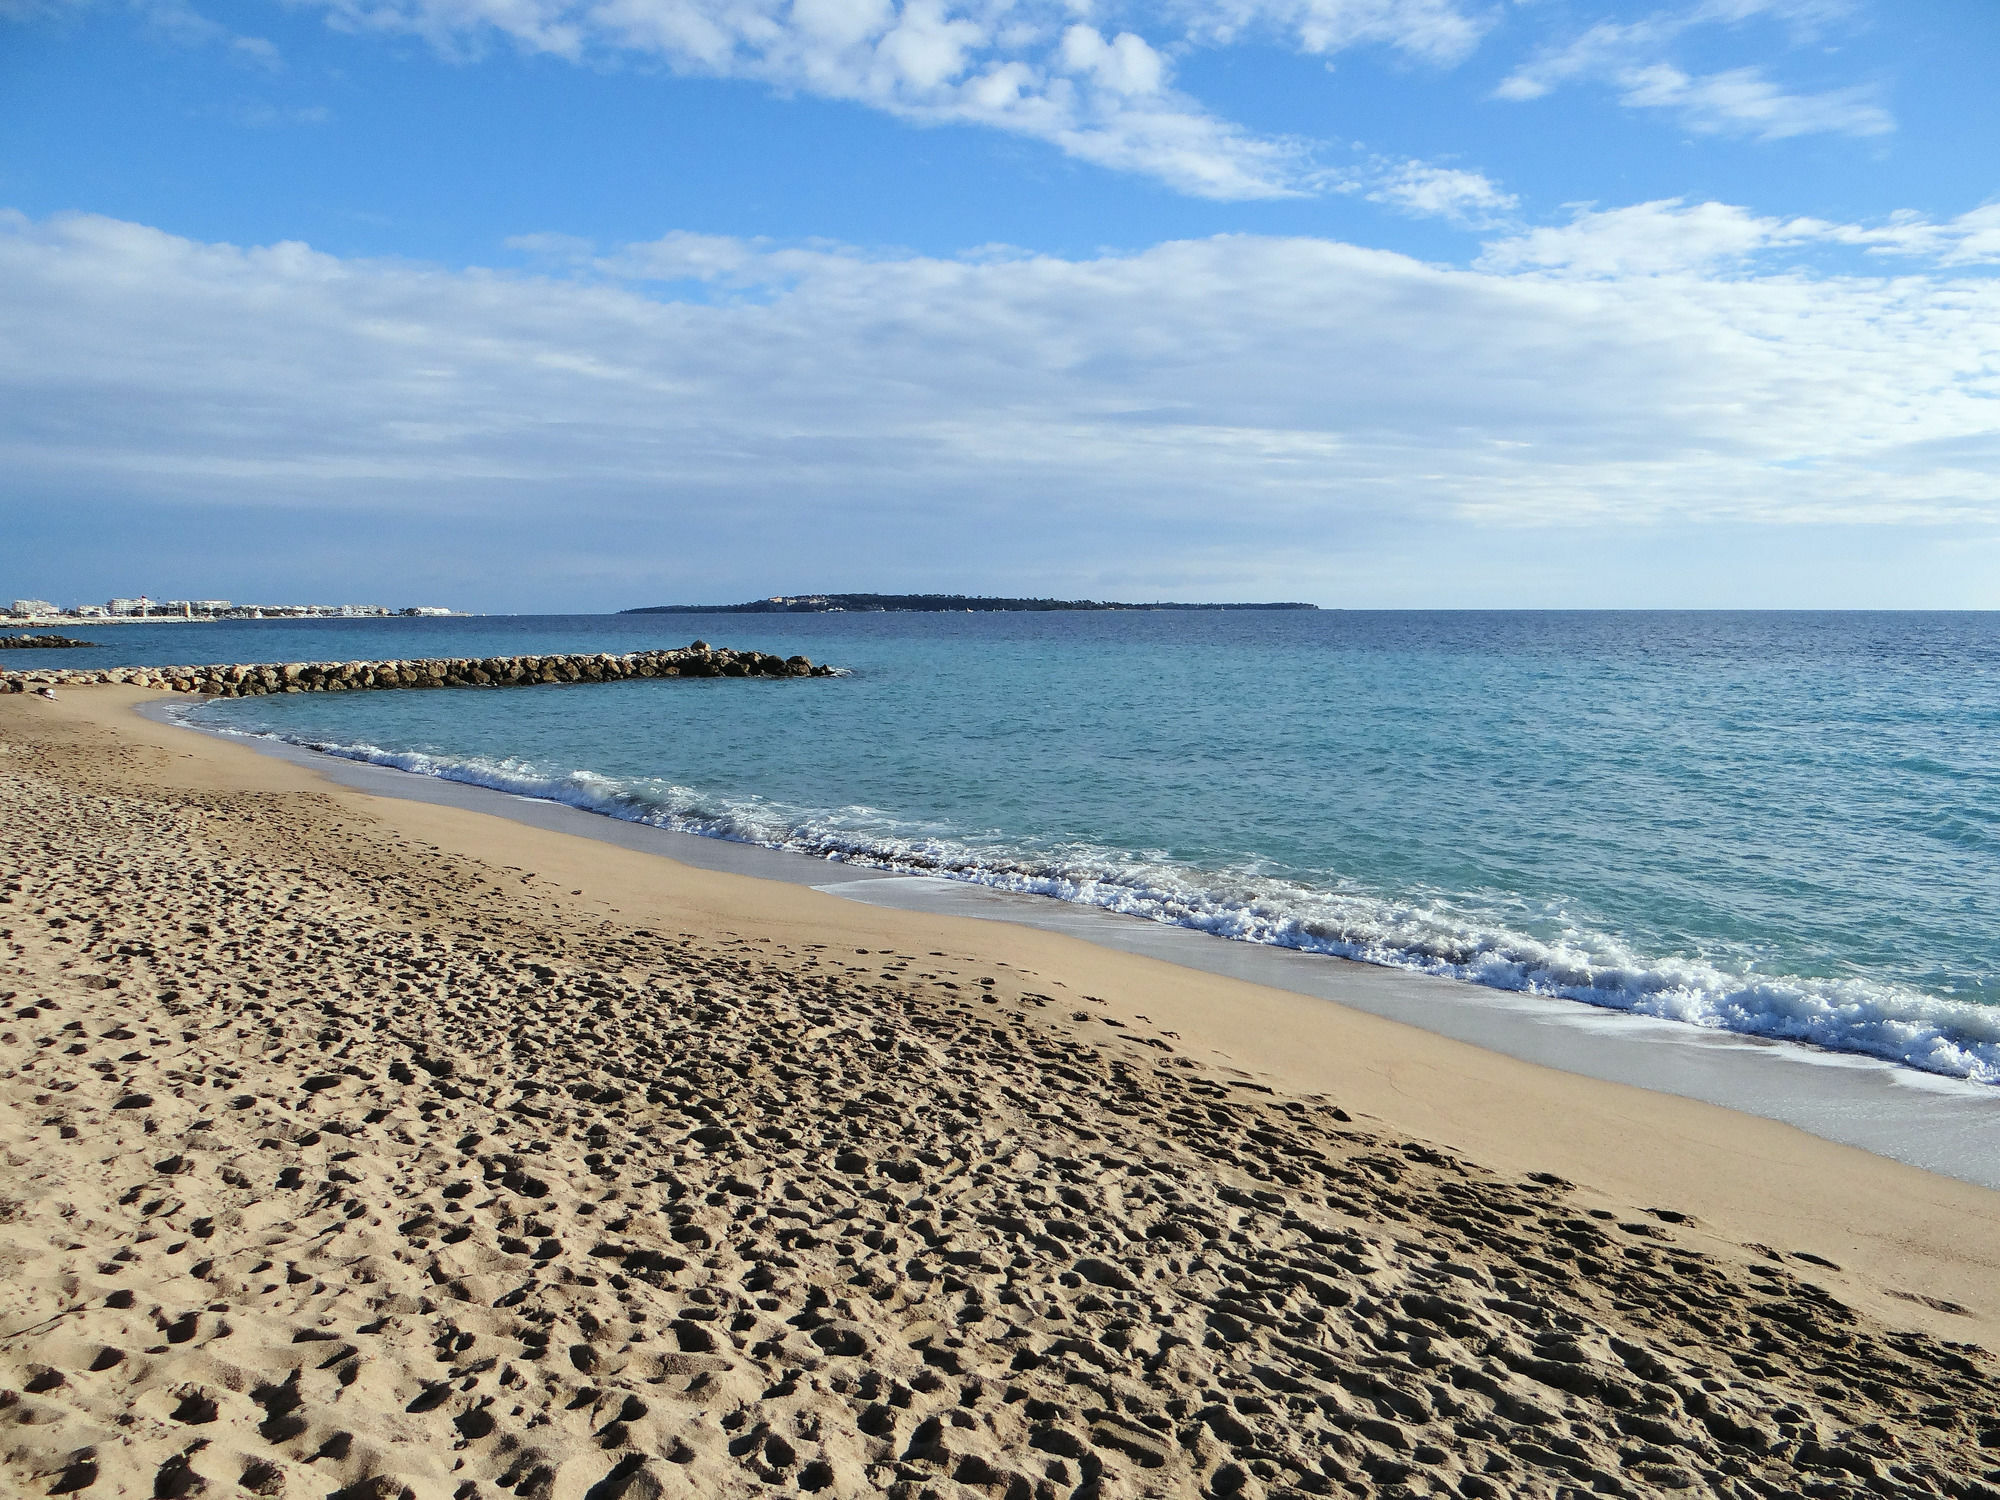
{"x":526,"y":305}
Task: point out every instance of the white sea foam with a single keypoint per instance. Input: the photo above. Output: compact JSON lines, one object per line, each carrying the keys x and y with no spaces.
{"x":1949,"y":1037}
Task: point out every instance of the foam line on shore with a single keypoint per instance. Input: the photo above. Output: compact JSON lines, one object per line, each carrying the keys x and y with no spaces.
{"x":1952,"y":1039}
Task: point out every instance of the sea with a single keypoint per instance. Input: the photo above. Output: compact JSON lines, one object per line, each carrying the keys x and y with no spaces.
{"x":1783,"y":825}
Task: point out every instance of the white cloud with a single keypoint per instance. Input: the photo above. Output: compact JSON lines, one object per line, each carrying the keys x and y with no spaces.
{"x":926,"y":49}
{"x":1125,"y":65}
{"x":1672,"y":237}
{"x":1744,"y":101}
{"x":1630,"y":57}
{"x":1432,"y":192}
{"x":1204,"y":397}
{"x":1038,"y":68}
{"x":180,"y":23}
{"x":1604,"y":47}
{"x":1423,"y":190}
{"x":1436,"y":30}
{"x":1971,"y":239}
{"x":1647,"y":239}
{"x":258,"y":51}
{"x":1807,"y":18}
{"x":557,"y":249}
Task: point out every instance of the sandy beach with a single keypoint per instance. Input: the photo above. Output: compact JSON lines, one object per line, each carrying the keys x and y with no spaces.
{"x":372,"y":1148}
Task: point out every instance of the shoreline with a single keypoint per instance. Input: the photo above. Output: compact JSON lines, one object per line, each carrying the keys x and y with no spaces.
{"x":1634,"y":1144}
{"x":1937,"y":1123}
{"x":368,"y":1145}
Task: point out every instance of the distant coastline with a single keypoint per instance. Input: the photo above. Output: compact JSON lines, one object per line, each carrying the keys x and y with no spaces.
{"x":40,"y":612}
{"x":825,"y":604}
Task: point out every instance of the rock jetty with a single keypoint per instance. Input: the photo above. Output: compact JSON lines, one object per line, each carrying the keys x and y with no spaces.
{"x":40,"y":643}
{"x":252,"y":679}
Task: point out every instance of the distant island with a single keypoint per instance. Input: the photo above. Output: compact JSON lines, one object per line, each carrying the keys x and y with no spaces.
{"x":826,"y":604}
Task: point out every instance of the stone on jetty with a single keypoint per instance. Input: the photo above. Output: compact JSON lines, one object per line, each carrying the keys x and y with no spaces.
{"x":252,"y":679}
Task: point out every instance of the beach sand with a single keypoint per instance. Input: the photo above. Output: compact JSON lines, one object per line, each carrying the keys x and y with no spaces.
{"x":365,"y":1147}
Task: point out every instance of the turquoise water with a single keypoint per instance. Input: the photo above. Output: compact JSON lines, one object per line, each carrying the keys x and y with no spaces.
{"x":1779,"y":824}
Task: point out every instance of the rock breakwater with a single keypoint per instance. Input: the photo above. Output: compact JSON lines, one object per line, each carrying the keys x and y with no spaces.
{"x":252,"y":679}
{"x":41,"y":643}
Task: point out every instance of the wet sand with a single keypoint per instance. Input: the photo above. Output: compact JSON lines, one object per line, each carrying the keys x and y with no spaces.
{"x":361,"y":1147}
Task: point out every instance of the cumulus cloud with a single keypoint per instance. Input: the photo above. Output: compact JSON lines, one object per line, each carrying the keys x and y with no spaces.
{"x":1125,"y":65}
{"x":1039,"y":68}
{"x":1630,"y":57}
{"x":1205,"y":396}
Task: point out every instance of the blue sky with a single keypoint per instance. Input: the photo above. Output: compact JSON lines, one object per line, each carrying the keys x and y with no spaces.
{"x":535,"y":304}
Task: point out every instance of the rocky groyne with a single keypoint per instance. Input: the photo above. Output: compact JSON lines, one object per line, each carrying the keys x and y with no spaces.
{"x":253,"y":679}
{"x":41,"y":643}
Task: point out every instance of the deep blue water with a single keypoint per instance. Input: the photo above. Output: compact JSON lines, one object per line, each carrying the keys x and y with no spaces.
{"x":1785,"y":824}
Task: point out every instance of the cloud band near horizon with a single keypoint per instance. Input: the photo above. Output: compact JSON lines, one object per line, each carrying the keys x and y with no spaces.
{"x":1286,"y":384}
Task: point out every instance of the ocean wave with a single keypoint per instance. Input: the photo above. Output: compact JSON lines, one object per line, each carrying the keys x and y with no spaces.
{"x":1426,"y":935}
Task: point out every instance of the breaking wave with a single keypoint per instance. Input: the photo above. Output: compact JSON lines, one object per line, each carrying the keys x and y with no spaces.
{"x":1437,"y":935}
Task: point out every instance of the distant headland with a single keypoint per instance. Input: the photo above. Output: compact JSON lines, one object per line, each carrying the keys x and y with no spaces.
{"x":828,"y":604}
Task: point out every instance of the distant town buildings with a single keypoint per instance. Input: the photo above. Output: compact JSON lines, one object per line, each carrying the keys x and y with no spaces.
{"x":186,"y":609}
{"x":144,"y":608}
